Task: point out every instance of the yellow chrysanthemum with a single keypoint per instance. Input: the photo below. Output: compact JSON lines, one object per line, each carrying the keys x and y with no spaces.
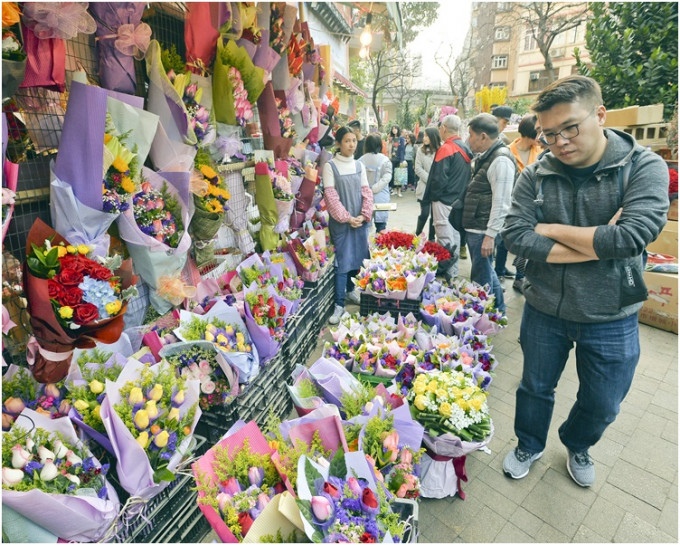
{"x":120,"y":165}
{"x":114,"y":307}
{"x":107,"y":138}
{"x":208,"y":172}
{"x":445,"y":410}
{"x":71,"y":249}
{"x":83,"y":249}
{"x":66,"y":313}
{"x":61,"y":251}
{"x":127,"y":185}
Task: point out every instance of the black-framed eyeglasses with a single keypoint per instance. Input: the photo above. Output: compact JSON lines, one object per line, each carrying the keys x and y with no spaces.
{"x":550,"y":138}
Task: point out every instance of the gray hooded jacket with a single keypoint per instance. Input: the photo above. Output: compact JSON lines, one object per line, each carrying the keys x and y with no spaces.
{"x":590,"y":291}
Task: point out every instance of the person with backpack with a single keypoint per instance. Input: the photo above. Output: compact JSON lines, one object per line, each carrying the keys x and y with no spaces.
{"x":379,"y":173}
{"x":581,"y":215}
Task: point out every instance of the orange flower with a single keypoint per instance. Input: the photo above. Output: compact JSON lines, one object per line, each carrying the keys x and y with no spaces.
{"x":397,"y":284}
{"x":363,"y":282}
{"x":10,"y":14}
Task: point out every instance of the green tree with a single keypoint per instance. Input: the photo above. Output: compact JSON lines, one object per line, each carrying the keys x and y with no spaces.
{"x":406,"y":119}
{"x":633,"y":50}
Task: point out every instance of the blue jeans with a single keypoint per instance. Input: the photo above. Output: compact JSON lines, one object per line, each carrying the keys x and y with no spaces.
{"x":482,"y":268}
{"x":501,"y":257}
{"x":343,"y":285}
{"x":606,"y":356}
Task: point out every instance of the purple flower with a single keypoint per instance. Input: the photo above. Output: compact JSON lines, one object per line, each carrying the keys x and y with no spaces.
{"x":103,"y":493}
{"x":256,"y":476}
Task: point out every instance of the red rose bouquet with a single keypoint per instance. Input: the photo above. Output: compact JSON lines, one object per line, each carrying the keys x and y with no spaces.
{"x":73,"y":301}
{"x":266,"y":315}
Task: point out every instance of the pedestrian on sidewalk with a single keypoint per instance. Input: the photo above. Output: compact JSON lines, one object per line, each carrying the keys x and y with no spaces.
{"x":396,"y":146}
{"x":582,"y":215}
{"x":446,"y":184}
{"x":409,"y":157}
{"x":487,"y":200}
{"x":350,"y":205}
{"x":423,"y":164}
{"x":378,"y":172}
{"x":355,"y":125}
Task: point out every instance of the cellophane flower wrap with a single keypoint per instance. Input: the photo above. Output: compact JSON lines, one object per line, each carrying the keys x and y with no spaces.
{"x":86,"y":383}
{"x":70,"y":300}
{"x":333,"y":380}
{"x":150,"y":416}
{"x":97,"y":168}
{"x":200,"y":360}
{"x":223,"y":326}
{"x":53,"y":480}
{"x":343,"y":502}
{"x":237,"y":215}
{"x":236,"y":480}
{"x":306,"y":266}
{"x":20,"y":390}
{"x":266,"y":316}
{"x":159,"y":243}
{"x":122,"y":38}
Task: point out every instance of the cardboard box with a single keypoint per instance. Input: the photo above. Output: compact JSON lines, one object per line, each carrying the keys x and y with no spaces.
{"x":667,"y":243}
{"x":673,"y":210}
{"x":661,"y":308}
{"x":634,"y":115}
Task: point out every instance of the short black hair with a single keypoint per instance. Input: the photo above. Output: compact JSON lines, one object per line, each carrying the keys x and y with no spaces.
{"x":485,"y":123}
{"x":373,"y":143}
{"x":527,"y":127}
{"x":574,"y":88}
{"x":502,"y":112}
{"x":341,"y":132}
{"x":354,"y":124}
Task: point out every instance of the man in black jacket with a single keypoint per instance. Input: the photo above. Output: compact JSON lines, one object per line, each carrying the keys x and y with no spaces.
{"x":446,"y":185}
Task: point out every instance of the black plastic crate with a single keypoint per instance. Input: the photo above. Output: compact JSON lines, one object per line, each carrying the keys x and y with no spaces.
{"x":214,"y":424}
{"x":370,"y":304}
{"x":408,"y":511}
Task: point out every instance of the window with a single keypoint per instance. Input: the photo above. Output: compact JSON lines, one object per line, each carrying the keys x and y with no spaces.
{"x":498,"y":84}
{"x":502,"y":33}
{"x":499,"y":61}
{"x":538,"y":80}
{"x":529,"y":40}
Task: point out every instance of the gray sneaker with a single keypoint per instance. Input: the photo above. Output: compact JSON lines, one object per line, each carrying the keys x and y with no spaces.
{"x":335,"y":318}
{"x":581,"y":468}
{"x":518,"y":462}
{"x":353,"y":297}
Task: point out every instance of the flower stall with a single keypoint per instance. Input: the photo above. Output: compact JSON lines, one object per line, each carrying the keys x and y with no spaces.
{"x":168,"y":268}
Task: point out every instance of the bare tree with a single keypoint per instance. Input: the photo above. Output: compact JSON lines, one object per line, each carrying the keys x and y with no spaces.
{"x":385,"y":74}
{"x":459,"y":72}
{"x":546,"y":20}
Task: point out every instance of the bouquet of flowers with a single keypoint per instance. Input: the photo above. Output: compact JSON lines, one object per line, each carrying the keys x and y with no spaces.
{"x":395,"y":239}
{"x":342,"y":502}
{"x":344,"y":350}
{"x":236,"y":479}
{"x":285,"y":121}
{"x":306,"y":263}
{"x":272,"y":124}
{"x":222,"y":325}
{"x":154,"y":230}
{"x":198,"y":114}
{"x":201,"y":361}
{"x":266,"y":315}
{"x":267,"y":206}
{"x":13,"y":56}
{"x":47,"y":470}
{"x":333,"y":380}
{"x":20,"y":390}
{"x":73,"y":300}
{"x":150,"y":416}
{"x":86,"y":384}
{"x":437,"y":250}
{"x":104,"y":142}
{"x":304,"y":393}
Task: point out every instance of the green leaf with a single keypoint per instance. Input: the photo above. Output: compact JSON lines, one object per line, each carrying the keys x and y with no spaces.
{"x":311,"y":473}
{"x":305,"y":507}
{"x":163,"y":474}
{"x":52,"y":257}
{"x":338,"y":467}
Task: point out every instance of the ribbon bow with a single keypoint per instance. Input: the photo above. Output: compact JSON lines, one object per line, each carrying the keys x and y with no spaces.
{"x":58,"y":19}
{"x":458,"y":466}
{"x":197,"y":184}
{"x":172,"y":289}
{"x":131,"y":40}
{"x":228,"y":146}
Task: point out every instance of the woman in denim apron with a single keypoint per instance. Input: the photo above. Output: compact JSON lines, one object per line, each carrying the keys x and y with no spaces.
{"x":350,"y":205}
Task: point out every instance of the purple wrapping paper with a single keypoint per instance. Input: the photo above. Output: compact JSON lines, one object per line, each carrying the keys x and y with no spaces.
{"x":269,"y":115}
{"x":265,"y":57}
{"x":333,"y":379}
{"x":93,"y":434}
{"x":267,"y":347}
{"x":116,"y":70}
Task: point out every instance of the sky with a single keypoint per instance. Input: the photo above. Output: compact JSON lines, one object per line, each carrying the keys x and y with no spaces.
{"x":451,"y":25}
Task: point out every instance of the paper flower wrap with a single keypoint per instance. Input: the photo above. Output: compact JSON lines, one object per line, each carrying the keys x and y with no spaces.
{"x":247,"y":363}
{"x":271,"y":129}
{"x":121,"y":38}
{"x":70,"y":517}
{"x":204,"y":469}
{"x":229,"y":54}
{"x":11,"y":176}
{"x":156,"y":262}
{"x":324,"y":419}
{"x":54,"y":349}
{"x":236,"y":216}
{"x":333,"y":380}
{"x":269,"y":215}
{"x":303,"y":405}
{"x":200,"y":34}
{"x":304,"y":198}
{"x":78,"y":172}
{"x":267,"y":345}
{"x":133,"y":468}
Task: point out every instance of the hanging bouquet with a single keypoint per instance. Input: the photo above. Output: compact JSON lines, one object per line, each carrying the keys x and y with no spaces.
{"x":277,"y":35}
{"x":243,"y":110}
{"x":305,"y":394}
{"x":158,"y":215}
{"x":198,"y":115}
{"x":47,"y":470}
{"x":222,"y":326}
{"x":73,"y":301}
{"x":149,"y":415}
{"x":13,"y":55}
{"x":285,"y":121}
{"x":266,"y":316}
{"x":450,"y":402}
{"x":20,"y":390}
{"x":201,"y":361}
{"x":104,"y":142}
{"x":343,"y":503}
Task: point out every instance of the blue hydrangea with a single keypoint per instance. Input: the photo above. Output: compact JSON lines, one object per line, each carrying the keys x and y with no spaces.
{"x":99,"y":293}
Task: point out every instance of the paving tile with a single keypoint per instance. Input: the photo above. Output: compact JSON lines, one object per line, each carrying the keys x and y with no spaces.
{"x":625,"y":423}
{"x":484,"y":528}
{"x":639,"y":483}
{"x":527,"y":522}
{"x":565,"y":516}
{"x":635,"y":530}
{"x":630,"y":503}
{"x":437,"y":533}
{"x":604,"y":518}
{"x":564,"y":487}
{"x":511,"y":534}
{"x":668,"y":521}
{"x":670,"y":432}
{"x":514,"y":490}
{"x":669,"y":415}
{"x":645,"y":384}
{"x":548,"y":534}
{"x":461,"y":512}
{"x":495,"y":500}
{"x":586,"y":535}
{"x":606,"y":451}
